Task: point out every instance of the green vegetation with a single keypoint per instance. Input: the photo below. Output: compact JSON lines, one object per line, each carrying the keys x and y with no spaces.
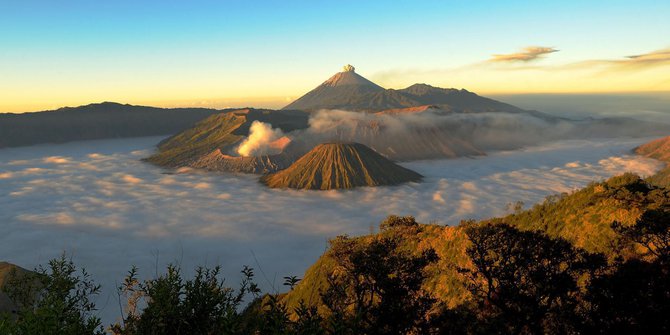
{"x":595,"y":261}
{"x":584,"y":217}
{"x":52,"y":300}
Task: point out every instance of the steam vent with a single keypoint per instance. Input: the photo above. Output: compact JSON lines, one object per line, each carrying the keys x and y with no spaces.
{"x":340,"y":166}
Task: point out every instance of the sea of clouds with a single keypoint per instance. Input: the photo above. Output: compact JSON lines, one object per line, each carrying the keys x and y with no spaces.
{"x":100,"y":204}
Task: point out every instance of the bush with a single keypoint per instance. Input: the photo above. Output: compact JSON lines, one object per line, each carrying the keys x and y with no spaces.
{"x":57,"y":299}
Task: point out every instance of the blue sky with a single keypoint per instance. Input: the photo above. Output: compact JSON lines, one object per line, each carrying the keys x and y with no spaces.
{"x":169,"y":52}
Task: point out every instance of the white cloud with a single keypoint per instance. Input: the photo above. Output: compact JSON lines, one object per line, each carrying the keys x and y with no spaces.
{"x":56,"y":160}
{"x":130,"y":179}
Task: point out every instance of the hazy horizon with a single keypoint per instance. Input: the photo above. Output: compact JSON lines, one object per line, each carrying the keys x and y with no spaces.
{"x":560,"y":104}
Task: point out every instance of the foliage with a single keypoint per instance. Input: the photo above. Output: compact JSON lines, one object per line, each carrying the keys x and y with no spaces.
{"x":378,"y":289}
{"x":634,"y":297}
{"x":57,"y":299}
{"x":584,"y":217}
{"x":201,"y":305}
{"x":525,"y":281}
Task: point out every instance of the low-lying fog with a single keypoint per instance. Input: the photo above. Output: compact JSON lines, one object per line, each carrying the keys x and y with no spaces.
{"x":97,"y":202}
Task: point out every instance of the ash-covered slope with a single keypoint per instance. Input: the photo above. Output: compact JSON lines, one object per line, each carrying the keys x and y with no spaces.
{"x":340,"y":165}
{"x":209,"y":144}
{"x":339,"y":91}
{"x":348,"y":90}
{"x":218,"y":161}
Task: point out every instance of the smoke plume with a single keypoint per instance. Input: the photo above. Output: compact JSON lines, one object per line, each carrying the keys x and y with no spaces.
{"x":262,"y":140}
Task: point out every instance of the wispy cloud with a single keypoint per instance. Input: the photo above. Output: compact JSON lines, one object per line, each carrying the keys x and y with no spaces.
{"x":517,"y":72}
{"x":635,"y":62}
{"x":527,"y":54}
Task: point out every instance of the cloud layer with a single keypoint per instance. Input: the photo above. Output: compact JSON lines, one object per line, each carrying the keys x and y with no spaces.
{"x":98,"y":202}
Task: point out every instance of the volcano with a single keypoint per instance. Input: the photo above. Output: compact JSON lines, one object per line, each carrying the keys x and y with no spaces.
{"x":210,"y":143}
{"x":340,"y":166}
{"x":339,"y":91}
{"x":347,"y":90}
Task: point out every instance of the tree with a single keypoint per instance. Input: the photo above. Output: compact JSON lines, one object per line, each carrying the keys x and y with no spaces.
{"x":524,"y":281}
{"x":634,"y":297}
{"x":651,"y":231}
{"x":377,"y":288}
{"x":201,"y":305}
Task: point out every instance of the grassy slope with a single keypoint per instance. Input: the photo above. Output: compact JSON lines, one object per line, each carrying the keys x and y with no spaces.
{"x":216,"y":131}
{"x":583,"y":217}
{"x":221,"y":131}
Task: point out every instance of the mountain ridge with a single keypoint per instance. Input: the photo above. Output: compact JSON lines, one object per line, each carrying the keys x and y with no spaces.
{"x":95,"y":121}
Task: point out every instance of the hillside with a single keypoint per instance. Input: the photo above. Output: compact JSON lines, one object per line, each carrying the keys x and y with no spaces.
{"x":7,"y":269}
{"x":583,"y":218}
{"x":221,"y":133}
{"x":340,"y":165}
{"x":658,"y":149}
{"x":95,"y":121}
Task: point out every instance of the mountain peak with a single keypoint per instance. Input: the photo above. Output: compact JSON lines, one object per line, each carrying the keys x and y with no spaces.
{"x":336,"y":92}
{"x":349,"y":77}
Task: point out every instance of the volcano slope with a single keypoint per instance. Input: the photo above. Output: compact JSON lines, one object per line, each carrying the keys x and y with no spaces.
{"x":340,"y":166}
{"x":350,"y":91}
{"x":208,"y":144}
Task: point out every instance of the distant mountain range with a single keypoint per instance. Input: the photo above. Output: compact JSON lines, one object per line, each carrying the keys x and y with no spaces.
{"x":95,"y":121}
